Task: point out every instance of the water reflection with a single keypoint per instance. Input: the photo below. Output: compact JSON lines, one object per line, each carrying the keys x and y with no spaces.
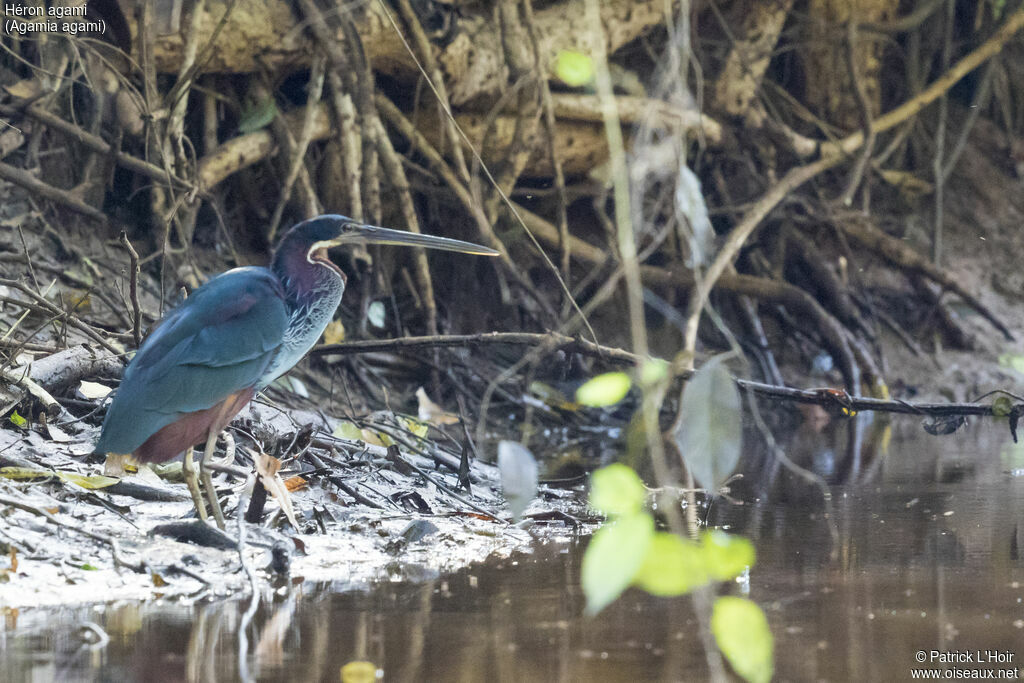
{"x":926,"y":555}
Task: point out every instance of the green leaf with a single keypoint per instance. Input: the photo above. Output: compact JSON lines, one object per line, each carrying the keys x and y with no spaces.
{"x":725,"y":555}
{"x":613,"y":557}
{"x":573,"y":68}
{"x":710,"y":429}
{"x":90,"y":568}
{"x":257,"y":115}
{"x":617,"y":490}
{"x":17,"y":420}
{"x":91,"y":482}
{"x":673,"y":566}
{"x":604,"y":390}
{"x":742,"y":633}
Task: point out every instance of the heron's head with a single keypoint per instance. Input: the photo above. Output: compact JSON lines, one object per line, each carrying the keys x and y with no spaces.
{"x":314,"y":237}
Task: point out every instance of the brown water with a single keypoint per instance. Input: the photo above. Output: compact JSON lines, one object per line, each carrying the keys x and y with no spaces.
{"x":926,"y":556}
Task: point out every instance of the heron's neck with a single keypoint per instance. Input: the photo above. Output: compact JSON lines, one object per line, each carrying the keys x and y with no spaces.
{"x":306,"y":283}
{"x":312,"y":294}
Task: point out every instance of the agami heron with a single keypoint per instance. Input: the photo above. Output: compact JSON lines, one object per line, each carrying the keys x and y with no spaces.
{"x":234,"y":335}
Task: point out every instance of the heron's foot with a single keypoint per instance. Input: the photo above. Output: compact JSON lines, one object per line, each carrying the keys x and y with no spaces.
{"x":211,"y":495}
{"x":204,"y":474}
{"x":188,"y":471}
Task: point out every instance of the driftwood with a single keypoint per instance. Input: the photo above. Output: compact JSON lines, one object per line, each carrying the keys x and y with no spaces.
{"x":63,"y":369}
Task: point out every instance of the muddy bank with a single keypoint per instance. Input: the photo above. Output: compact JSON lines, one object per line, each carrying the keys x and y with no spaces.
{"x":365,"y":515}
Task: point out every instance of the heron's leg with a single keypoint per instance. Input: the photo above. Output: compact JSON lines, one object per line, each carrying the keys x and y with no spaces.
{"x":204,"y":474}
{"x":188,"y":471}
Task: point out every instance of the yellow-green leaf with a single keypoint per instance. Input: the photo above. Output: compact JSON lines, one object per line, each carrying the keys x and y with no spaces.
{"x":604,"y":390}
{"x":652,"y":371}
{"x":23,"y":473}
{"x":416,"y":427}
{"x":1002,"y":406}
{"x":347,"y":430}
{"x":17,"y":420}
{"x":673,"y":566}
{"x":574,"y":68}
{"x":334,"y":333}
{"x":551,"y":396}
{"x":377,"y":438}
{"x":612,"y":559}
{"x":1014,"y":361}
{"x":91,"y":482}
{"x":359,"y":672}
{"x":617,"y":490}
{"x":742,"y":633}
{"x":726,"y":555}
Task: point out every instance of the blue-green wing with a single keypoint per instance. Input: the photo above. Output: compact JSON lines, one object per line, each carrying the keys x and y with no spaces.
{"x":218,"y":342}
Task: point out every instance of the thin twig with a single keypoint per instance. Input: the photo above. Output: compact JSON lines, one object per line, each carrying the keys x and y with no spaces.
{"x":938,"y":160}
{"x":553,"y":340}
{"x":133,"y":288}
{"x":425,"y":53}
{"x":51,"y":309}
{"x":351,"y":144}
{"x":177,"y":101}
{"x":254,"y":598}
{"x":550,"y":127}
{"x":46,"y":191}
{"x":861,"y":95}
{"x":626,"y":234}
{"x":316,"y":88}
{"x":396,"y":173}
{"x":978,"y":105}
{"x":28,"y":258}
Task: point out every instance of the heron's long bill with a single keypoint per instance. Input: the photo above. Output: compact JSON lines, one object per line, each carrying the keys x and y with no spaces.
{"x":371,"y":234}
